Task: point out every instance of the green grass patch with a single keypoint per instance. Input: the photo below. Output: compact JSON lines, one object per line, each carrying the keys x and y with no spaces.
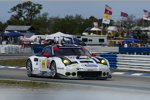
{"x":13,"y":62}
{"x":23,"y":83}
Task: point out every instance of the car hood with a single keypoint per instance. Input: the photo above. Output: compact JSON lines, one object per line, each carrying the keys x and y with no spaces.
{"x":79,"y":58}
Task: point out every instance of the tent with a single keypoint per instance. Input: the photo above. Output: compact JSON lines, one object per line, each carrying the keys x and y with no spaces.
{"x":13,"y":34}
{"x":58,"y":34}
{"x":95,"y":29}
{"x":129,"y":40}
{"x":112,"y":28}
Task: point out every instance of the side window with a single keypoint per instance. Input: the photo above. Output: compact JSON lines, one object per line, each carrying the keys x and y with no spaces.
{"x":84,"y":39}
{"x":90,"y":40}
{"x":101,"y":40}
{"x":47,"y":50}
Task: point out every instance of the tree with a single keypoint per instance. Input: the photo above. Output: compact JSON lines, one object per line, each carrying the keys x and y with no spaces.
{"x":2,"y":26}
{"x":41,"y":24}
{"x":26,"y":11}
{"x":129,"y":22}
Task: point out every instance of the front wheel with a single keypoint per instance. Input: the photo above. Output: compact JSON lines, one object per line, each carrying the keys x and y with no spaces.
{"x":53,"y":70}
{"x":29,"y":68}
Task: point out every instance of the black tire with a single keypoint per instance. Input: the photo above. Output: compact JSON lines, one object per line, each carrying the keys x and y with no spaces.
{"x":53,"y":70}
{"x":29,"y":68}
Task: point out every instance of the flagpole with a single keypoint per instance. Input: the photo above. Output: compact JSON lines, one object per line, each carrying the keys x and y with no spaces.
{"x":102,"y":28}
{"x":143,"y":22}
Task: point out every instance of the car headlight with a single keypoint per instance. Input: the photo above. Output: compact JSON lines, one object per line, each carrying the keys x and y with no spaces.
{"x":103,"y":61}
{"x":66,"y":62}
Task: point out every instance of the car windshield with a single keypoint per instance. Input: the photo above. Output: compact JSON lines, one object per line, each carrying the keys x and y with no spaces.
{"x":71,"y":52}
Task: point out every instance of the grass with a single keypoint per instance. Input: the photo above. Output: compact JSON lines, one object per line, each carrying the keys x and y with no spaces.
{"x":13,"y":62}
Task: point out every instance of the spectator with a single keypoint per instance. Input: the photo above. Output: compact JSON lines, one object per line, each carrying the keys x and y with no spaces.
{"x":125,"y":45}
{"x":55,"y":40}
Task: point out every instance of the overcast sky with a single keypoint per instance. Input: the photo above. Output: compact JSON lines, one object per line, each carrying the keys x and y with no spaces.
{"x":86,"y":8}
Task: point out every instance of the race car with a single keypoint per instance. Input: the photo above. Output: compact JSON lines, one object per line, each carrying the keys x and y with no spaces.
{"x":69,"y":61}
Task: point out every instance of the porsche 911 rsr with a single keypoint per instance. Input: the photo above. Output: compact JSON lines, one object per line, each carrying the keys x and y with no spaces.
{"x":69,"y":61}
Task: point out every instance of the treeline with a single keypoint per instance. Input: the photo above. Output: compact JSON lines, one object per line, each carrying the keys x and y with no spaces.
{"x":47,"y":25}
{"x":29,"y":13}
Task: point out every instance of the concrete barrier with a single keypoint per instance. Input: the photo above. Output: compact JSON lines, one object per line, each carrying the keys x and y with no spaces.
{"x":14,"y":49}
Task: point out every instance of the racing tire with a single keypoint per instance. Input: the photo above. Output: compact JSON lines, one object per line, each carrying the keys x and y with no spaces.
{"x":53,"y":70}
{"x":29,"y":68}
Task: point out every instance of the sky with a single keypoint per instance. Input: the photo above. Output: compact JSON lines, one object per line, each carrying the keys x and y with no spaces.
{"x":85,"y":8}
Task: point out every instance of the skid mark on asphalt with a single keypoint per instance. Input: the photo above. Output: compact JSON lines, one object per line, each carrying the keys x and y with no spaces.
{"x":114,"y":73}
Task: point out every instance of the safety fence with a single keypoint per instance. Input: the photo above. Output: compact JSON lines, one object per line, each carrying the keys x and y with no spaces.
{"x":130,"y":58}
{"x":14,"y":49}
{"x":119,"y":50}
{"x":128,"y":62}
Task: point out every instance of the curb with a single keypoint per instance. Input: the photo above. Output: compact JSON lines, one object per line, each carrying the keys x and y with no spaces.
{"x":131,"y":74}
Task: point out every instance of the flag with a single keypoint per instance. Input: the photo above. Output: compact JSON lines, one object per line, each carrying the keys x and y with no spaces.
{"x":105,"y":21}
{"x":123,"y":14}
{"x":107,"y":14}
{"x":146,"y":15}
{"x":108,"y":7}
{"x":108,"y":10}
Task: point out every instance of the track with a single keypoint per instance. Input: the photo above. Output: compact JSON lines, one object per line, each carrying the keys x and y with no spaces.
{"x":118,"y":81}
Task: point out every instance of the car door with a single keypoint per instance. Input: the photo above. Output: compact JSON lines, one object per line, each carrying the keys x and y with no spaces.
{"x":45,"y":59}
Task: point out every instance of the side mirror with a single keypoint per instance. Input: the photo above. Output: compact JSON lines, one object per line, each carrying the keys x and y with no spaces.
{"x":45,"y":55}
{"x":93,"y":54}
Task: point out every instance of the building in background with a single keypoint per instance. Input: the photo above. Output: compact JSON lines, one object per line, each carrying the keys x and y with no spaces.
{"x":27,"y":31}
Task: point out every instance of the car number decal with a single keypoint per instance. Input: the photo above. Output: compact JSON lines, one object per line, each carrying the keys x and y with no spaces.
{"x":43,"y":64}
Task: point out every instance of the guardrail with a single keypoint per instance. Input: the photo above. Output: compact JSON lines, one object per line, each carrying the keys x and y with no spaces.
{"x":119,"y":50}
{"x":128,"y":62}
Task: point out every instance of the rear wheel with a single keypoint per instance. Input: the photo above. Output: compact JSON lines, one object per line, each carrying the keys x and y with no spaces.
{"x":29,"y":68}
{"x":53,"y":70}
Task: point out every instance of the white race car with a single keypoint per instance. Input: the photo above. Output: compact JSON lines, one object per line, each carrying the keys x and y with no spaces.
{"x":69,"y":61}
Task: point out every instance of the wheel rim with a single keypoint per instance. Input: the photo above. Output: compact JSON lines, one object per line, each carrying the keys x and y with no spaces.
{"x":53,"y":69}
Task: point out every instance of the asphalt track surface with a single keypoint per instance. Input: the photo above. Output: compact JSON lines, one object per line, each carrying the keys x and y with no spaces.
{"x":117,"y":81}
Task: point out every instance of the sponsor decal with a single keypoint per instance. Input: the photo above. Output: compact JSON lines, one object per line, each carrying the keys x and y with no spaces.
{"x":79,"y":68}
{"x":36,"y":63}
{"x":91,"y":65}
{"x":60,"y":68}
{"x":43,"y":63}
{"x":36,"y":68}
{"x":74,"y":65}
